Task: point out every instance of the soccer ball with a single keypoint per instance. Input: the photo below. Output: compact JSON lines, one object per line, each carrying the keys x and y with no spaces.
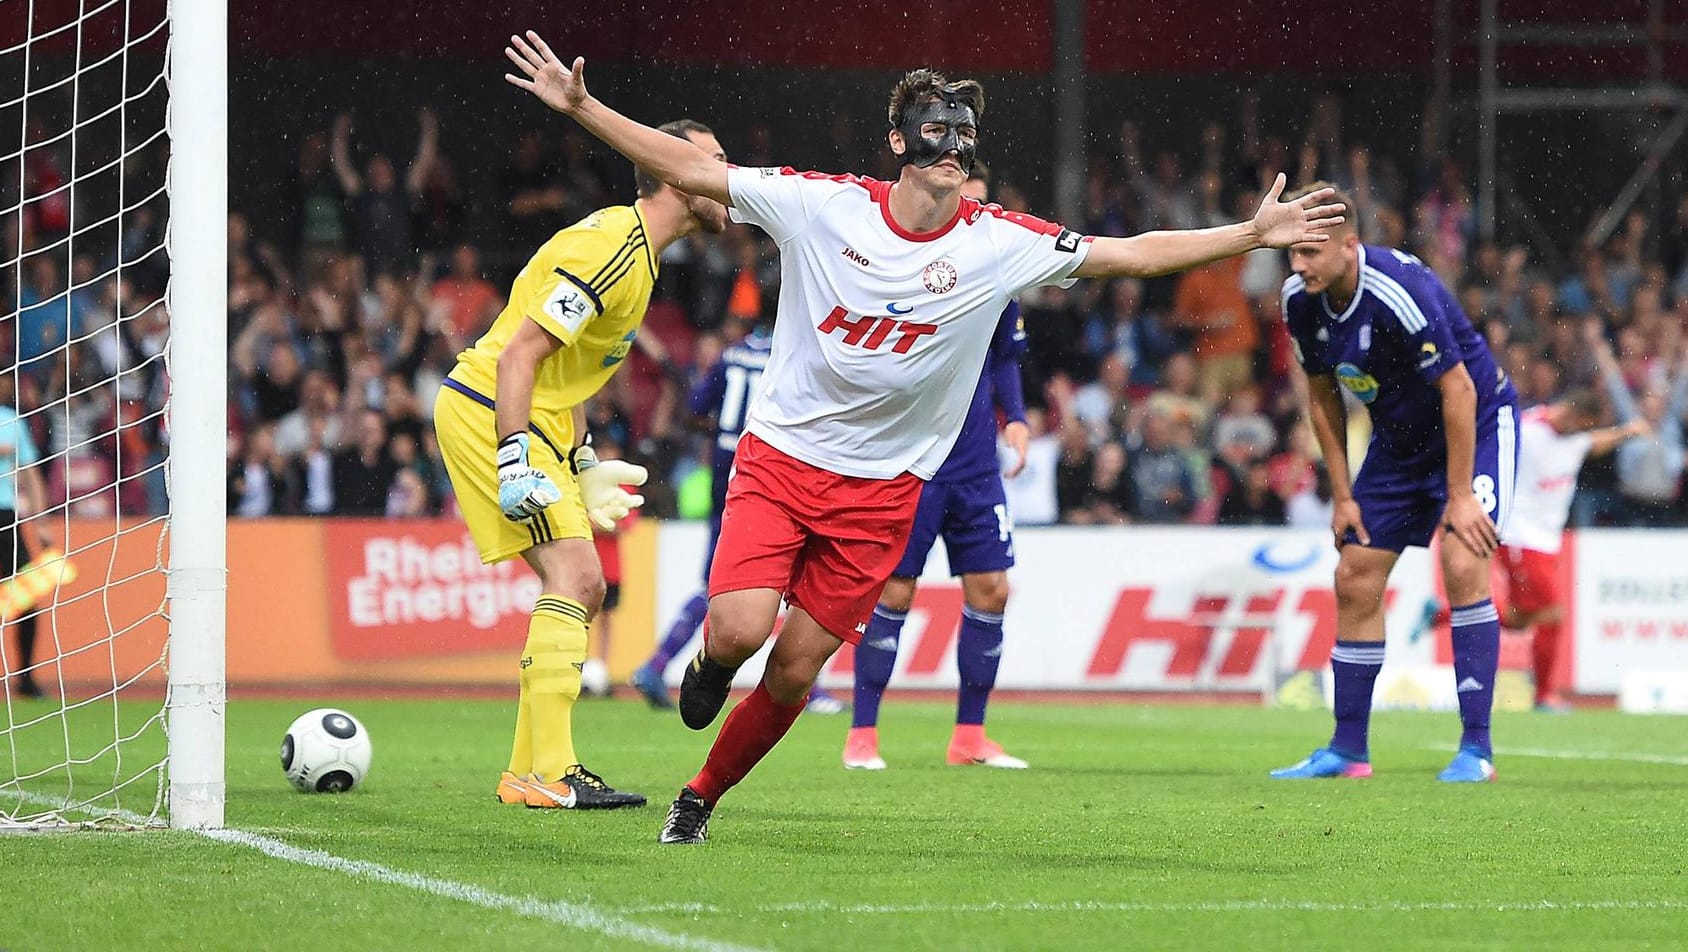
{"x":325,"y":751}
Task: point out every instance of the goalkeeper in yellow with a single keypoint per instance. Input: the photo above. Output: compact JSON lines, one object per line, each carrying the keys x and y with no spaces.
{"x":512,"y":432}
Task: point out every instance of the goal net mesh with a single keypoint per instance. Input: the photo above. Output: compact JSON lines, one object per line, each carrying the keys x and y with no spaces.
{"x":84,"y":392}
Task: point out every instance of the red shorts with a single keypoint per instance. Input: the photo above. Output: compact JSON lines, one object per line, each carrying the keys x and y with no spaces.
{"x":827,"y":542}
{"x":1532,"y":578}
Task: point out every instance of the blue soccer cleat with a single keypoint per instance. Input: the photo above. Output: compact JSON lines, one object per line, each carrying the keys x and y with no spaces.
{"x":1323,"y":763}
{"x":1468,"y":766}
{"x":648,"y":682}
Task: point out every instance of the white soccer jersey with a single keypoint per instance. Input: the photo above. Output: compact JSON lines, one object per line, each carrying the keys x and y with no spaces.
{"x":881,"y":334}
{"x":1548,"y":463}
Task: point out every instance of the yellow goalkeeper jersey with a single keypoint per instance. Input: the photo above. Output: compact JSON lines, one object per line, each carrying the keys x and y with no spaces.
{"x":589,"y":287}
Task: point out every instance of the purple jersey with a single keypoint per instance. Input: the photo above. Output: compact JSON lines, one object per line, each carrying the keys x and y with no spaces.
{"x":725,"y":392}
{"x":1402,"y":331}
{"x":974,"y":454}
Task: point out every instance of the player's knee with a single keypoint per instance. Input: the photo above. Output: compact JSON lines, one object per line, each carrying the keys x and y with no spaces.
{"x":1358,"y":587}
{"x":898,"y":595}
{"x":734,"y":635}
{"x":988,"y":593}
{"x":789,"y":679}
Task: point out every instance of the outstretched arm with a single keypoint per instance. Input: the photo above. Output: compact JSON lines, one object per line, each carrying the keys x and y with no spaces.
{"x":1276,"y":225}
{"x":674,"y":161}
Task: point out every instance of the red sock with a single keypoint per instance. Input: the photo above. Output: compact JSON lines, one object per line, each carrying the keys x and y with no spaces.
{"x":752,"y":729}
{"x":1544,"y":651}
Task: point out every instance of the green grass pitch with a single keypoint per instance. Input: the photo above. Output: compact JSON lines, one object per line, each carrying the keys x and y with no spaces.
{"x":1137,"y":827}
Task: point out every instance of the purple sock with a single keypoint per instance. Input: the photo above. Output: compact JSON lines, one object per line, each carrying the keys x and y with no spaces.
{"x":1355,"y":665}
{"x":1476,"y":638}
{"x":681,"y":633}
{"x":977,"y":655}
{"x":876,"y":657}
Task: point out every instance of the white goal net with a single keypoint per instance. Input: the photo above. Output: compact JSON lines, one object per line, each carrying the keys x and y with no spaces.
{"x":111,"y":386}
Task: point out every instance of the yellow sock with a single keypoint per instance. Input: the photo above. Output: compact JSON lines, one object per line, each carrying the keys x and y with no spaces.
{"x":521,"y":750}
{"x":556,"y":650}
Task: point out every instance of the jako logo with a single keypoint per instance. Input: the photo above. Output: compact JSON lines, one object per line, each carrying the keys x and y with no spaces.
{"x":857,"y":257}
{"x":872,"y":332}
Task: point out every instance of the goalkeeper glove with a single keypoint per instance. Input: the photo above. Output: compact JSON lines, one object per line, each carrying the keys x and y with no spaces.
{"x":523,"y":492}
{"x":600,"y":486}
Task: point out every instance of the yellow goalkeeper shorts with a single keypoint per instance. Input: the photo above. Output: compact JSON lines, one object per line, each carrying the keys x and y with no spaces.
{"x":468,"y":435}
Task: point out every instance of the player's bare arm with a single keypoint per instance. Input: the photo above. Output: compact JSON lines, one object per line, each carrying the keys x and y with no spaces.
{"x":1277,"y":224}
{"x":518,"y":364}
{"x":1329,"y":419}
{"x":677,"y":162}
{"x":1464,"y":516}
{"x":1607,"y":439}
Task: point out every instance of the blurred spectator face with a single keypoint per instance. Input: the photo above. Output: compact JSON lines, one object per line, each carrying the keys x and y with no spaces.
{"x":1180,"y":374}
{"x":1244,"y":401}
{"x":403,"y":449}
{"x":260,"y":446}
{"x":381,"y":177}
{"x":1542,"y":378}
{"x":529,"y":151}
{"x":318,"y":393}
{"x":465,"y":263}
{"x":1114,"y":374}
{"x":1259,"y":481}
{"x":372,"y":432}
{"x":398,"y":399}
{"x":1036,"y":421}
{"x":281,"y":365}
{"x":44,"y":275}
{"x":1108,"y":463}
{"x":1157,"y":432}
{"x":1075,"y":440}
{"x":1539,"y":297}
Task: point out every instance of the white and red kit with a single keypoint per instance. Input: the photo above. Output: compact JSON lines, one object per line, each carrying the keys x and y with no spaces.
{"x":878,"y":344}
{"x":1548,"y":463}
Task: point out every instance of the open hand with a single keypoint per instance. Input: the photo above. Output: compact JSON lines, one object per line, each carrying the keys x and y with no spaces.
{"x":1281,"y":224}
{"x":562,"y":88}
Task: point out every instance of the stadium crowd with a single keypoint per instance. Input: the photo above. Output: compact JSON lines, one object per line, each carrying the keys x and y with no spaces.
{"x":1163,"y":401}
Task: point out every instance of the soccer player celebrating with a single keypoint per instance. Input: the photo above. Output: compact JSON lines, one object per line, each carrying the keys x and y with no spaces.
{"x":1553,"y":441}
{"x":889,"y":294}
{"x":965,"y":503}
{"x":512,"y":432}
{"x":1378,"y":323}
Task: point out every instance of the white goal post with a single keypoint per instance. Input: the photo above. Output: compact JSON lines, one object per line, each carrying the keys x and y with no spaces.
{"x":198,"y":359}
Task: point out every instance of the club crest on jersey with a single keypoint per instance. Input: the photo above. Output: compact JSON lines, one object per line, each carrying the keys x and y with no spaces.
{"x":940,"y":277}
{"x":1357,"y":382}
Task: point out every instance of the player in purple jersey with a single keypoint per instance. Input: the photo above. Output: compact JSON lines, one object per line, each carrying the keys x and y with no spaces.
{"x":964,"y":502}
{"x":1378,"y":323}
{"x":724,"y":395}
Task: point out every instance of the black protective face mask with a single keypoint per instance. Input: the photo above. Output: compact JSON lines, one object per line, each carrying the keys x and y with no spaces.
{"x":921,"y":152}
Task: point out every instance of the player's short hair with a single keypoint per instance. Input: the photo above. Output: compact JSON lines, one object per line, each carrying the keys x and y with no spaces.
{"x":924,"y":85}
{"x":1351,"y":217}
{"x":1583,"y":402}
{"x":648,"y":184}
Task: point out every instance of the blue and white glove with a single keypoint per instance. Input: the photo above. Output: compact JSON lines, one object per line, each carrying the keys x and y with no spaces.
{"x":523,"y":492}
{"x":600,"y":486}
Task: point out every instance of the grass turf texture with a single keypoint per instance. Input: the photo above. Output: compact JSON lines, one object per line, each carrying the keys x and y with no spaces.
{"x":1140,"y":827}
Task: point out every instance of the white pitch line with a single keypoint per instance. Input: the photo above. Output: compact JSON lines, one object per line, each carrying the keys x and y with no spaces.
{"x":1674,"y":761}
{"x":1241,"y":905}
{"x":571,"y":915}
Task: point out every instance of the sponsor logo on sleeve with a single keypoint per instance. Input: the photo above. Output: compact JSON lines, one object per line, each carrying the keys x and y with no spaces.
{"x":1428,"y":355}
{"x":1067,"y":241}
